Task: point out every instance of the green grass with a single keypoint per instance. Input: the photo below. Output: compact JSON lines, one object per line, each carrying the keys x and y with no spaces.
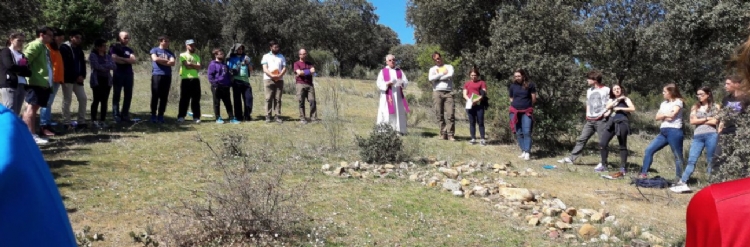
{"x":113,"y":180}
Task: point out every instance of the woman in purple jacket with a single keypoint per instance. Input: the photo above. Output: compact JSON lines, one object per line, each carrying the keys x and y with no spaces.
{"x":221,"y":82}
{"x":102,"y":66}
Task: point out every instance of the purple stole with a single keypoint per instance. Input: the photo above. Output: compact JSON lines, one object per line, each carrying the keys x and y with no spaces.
{"x":389,"y":94}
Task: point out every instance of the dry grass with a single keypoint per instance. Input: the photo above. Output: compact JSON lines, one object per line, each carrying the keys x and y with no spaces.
{"x":114,"y":180}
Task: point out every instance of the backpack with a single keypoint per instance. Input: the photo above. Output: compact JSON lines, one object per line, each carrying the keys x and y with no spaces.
{"x":655,"y":182}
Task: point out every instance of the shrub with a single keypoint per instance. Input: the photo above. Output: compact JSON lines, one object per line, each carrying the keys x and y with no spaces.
{"x":251,"y":204}
{"x":733,"y":160}
{"x":363,"y":73}
{"x":325,"y":62}
{"x":382,"y":146}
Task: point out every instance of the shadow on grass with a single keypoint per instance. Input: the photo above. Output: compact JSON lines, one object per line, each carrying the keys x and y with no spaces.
{"x":56,"y":164}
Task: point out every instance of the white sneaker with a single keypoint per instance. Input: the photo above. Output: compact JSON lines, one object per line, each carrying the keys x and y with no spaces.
{"x":197,"y":121}
{"x":473,"y":141}
{"x":600,"y":168}
{"x":526,"y":156}
{"x":522,"y":155}
{"x":565,"y":160}
{"x":39,"y":140}
{"x":680,"y":188}
{"x":180,"y":120}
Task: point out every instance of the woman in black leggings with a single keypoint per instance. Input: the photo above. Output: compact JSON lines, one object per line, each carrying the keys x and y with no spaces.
{"x":101,"y":81}
{"x":619,"y":107}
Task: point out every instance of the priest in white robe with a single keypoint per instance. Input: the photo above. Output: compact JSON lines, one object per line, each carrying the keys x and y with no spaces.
{"x":393,"y":105}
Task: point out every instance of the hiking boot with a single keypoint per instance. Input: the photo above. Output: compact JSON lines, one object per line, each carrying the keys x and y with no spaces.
{"x":450,"y":138}
{"x":565,"y":160}
{"x":600,"y":168}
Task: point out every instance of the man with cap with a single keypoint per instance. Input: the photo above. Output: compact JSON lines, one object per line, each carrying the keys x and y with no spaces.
{"x":190,"y":88}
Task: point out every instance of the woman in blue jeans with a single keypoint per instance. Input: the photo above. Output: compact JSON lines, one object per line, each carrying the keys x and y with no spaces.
{"x":522,"y":94}
{"x":703,"y":116}
{"x":670,"y":131}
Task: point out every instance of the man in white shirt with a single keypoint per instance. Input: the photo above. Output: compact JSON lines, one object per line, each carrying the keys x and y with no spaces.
{"x":274,"y":68}
{"x":441,"y":76}
{"x":596,"y":115}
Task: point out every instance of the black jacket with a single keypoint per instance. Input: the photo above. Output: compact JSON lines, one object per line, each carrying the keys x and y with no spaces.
{"x":74,"y":61}
{"x":10,"y":71}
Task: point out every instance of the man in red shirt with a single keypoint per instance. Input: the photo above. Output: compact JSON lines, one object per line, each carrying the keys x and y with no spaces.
{"x":304,"y":71}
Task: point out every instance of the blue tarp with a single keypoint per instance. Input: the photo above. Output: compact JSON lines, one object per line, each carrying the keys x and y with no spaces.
{"x":31,"y":209}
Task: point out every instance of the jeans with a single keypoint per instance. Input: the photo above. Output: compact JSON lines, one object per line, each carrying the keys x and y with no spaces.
{"x":46,"y":113}
{"x":160,"y":94}
{"x":667,"y":136}
{"x":707,"y":141}
{"x":190,"y":95}
{"x":476,"y":117}
{"x":242,"y":93}
{"x":122,"y":82}
{"x":523,"y":132}
{"x":589,"y":129}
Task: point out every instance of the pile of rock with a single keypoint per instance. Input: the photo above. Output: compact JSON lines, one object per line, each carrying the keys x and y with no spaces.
{"x":461,"y":179}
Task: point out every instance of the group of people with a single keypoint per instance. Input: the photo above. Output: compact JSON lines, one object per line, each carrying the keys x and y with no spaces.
{"x":34,"y":73}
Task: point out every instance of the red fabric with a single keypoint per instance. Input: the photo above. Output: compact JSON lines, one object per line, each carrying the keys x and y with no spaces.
{"x":719,"y":215}
{"x":514,"y":120}
{"x":472,"y":87}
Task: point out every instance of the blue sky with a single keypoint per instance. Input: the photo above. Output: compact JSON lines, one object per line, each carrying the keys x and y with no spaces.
{"x":392,"y":13}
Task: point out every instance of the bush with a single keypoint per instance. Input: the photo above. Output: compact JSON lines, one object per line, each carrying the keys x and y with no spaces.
{"x":251,"y":204}
{"x":363,"y":73}
{"x":325,"y":62}
{"x":383,"y":146}
{"x":733,"y":160}
{"x":496,"y":116}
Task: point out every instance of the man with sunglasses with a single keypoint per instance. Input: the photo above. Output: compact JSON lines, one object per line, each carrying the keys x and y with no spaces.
{"x":441,"y":76}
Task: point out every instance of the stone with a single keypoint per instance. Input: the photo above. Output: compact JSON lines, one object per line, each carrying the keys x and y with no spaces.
{"x":458,"y":193}
{"x":652,"y":238}
{"x":516,"y":194}
{"x":554,"y":234}
{"x":414,"y":177}
{"x":499,"y":167}
{"x":458,"y":164}
{"x":610,"y":218}
{"x":604,"y":237}
{"x":514,"y":174}
{"x":587,"y":231}
{"x":534,"y":221}
{"x":389,"y":166}
{"x":501,"y":207}
{"x":562,"y":225}
{"x":432,"y":183}
{"x":481,"y":191}
{"x":534,"y":174}
{"x":565,"y":217}
{"x":403,"y":166}
{"x":596,"y":218}
{"x":639,"y":243}
{"x":431,"y":159}
{"x":546,"y":220}
{"x":338,"y":171}
{"x":587,"y":212}
{"x":451,"y":185}
{"x":635,"y":230}
{"x":344,"y":164}
{"x":356,"y":174}
{"x":569,"y":236}
{"x":356,"y":165}
{"x":503,"y":173}
{"x":607,"y":231}
{"x":450,"y":173}
{"x":552,"y":211}
{"x":614,"y":239}
{"x":326,"y":167}
{"x":465,"y":182}
{"x":559,"y":203}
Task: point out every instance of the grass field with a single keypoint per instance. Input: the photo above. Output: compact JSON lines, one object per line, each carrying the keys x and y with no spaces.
{"x":114,"y":180}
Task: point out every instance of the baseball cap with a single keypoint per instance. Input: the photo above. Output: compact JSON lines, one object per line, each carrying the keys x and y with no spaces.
{"x":189,"y":42}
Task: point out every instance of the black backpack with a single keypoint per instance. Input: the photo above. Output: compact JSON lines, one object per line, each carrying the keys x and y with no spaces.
{"x":655,"y":182}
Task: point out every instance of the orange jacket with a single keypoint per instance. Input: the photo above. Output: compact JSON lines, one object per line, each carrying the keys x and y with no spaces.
{"x":58,"y":71}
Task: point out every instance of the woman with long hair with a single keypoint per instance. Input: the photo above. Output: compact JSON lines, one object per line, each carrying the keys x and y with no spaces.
{"x":13,"y":69}
{"x":670,"y":130}
{"x":620,"y":106}
{"x":704,"y":116}
{"x":475,"y":91}
{"x":522,"y":94}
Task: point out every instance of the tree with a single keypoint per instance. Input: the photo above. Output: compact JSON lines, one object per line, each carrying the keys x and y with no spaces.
{"x":86,"y":16}
{"x":14,"y":10}
{"x":406,"y":56}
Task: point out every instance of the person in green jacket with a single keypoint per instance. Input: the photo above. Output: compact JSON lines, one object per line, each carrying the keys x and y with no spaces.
{"x":38,"y":90}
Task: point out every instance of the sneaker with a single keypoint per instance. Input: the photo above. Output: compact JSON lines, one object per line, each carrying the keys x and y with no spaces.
{"x":303,"y":121}
{"x":472,"y":141}
{"x":643,"y":175}
{"x":197,"y":121}
{"x":95,"y":125}
{"x":219,"y":120}
{"x":680,"y":187}
{"x":160,"y":119}
{"x":39,"y":140}
{"x":190,"y":114}
{"x":180,"y":120}
{"x":153,"y":118}
{"x":600,"y":168}
{"x":522,"y":154}
{"x":526,"y":156}
{"x":277,"y":119}
{"x":234,"y":121}
{"x":565,"y":160}
{"x":482,"y":142}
